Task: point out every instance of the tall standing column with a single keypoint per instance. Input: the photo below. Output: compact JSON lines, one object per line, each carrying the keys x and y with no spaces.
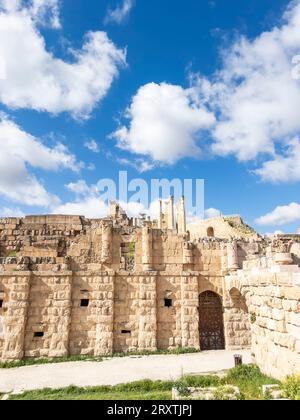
{"x":160,"y":218}
{"x":181,"y":217}
{"x":146,"y":248}
{"x":170,"y":214}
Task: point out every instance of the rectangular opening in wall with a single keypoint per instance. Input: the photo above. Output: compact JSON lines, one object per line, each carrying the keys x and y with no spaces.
{"x":168,"y":303}
{"x":126,"y":332}
{"x":38,"y":334}
{"x":84,"y":303}
{"x":1,"y":303}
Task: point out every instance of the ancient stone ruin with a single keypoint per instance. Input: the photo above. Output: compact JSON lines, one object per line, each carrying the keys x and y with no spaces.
{"x":71,"y":285}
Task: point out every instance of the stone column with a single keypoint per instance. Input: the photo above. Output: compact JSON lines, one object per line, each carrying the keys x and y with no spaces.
{"x":15,"y":315}
{"x":232,"y":256}
{"x":170,"y":214}
{"x":190,"y":311}
{"x":105,"y":316}
{"x":146,"y":248}
{"x":160,"y":218}
{"x":106,"y":252}
{"x":62,"y":304}
{"x":147,"y":313}
{"x":181,"y":217}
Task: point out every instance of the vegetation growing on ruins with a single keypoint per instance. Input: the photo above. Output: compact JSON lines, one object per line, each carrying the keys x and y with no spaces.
{"x":240,"y":225}
{"x":291,"y":388}
{"x":248,"y":379}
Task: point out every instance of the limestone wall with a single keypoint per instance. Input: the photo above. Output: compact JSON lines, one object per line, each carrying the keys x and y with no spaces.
{"x":43,"y":315}
{"x":272,"y":297}
{"x":91,"y":329}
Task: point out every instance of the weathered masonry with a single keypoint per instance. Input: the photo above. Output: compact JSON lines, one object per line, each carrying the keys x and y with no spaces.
{"x":71,"y":286}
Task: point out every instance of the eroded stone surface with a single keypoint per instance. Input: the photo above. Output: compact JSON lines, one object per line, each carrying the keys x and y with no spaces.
{"x":71,"y":286}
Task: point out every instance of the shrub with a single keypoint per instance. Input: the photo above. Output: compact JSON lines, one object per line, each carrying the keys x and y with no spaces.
{"x":183,"y":389}
{"x":291,"y":388}
{"x":243,"y":372}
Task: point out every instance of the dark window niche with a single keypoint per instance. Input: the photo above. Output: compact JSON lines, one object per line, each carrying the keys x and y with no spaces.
{"x":126,"y":332}
{"x":38,"y":334}
{"x":1,"y":303}
{"x":168,"y":303}
{"x":84,"y":303}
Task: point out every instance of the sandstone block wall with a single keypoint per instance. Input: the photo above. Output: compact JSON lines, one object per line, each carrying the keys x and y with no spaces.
{"x":71,"y":286}
{"x":273,"y":300}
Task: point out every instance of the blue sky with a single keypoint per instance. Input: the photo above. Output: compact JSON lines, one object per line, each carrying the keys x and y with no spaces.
{"x":223,"y":102}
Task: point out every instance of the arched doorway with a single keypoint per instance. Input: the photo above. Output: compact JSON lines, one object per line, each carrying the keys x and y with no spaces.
{"x":210,"y":232}
{"x":211,"y":323}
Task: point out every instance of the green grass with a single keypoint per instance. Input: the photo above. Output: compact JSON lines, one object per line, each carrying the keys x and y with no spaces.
{"x":248,"y":378}
{"x":43,"y":361}
{"x":141,"y":390}
{"x":291,"y":388}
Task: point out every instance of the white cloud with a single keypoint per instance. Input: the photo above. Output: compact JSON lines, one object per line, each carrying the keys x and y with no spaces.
{"x":254,"y":98}
{"x":88,"y":202}
{"x":120,"y":13}
{"x":211,"y":213}
{"x":281,"y":215}
{"x":36,"y":79}
{"x":283,"y":168}
{"x":90,"y":207}
{"x":92,"y":145}
{"x":43,"y":12}
{"x":139,"y":165}
{"x":271,"y":234}
{"x":19,"y":151}
{"x":257,"y":100}
{"x":165,"y":123}
{"x":11,"y":212}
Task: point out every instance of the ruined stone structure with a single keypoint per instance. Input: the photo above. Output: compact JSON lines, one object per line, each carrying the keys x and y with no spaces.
{"x":224,"y":227}
{"x":71,"y":286}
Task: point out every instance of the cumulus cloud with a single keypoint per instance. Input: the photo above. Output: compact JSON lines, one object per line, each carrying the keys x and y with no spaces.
{"x":254,"y":97}
{"x":165,"y":123}
{"x":11,"y":212}
{"x":91,"y":207}
{"x":43,"y":12}
{"x":18,"y":152}
{"x":93,"y":146}
{"x":139,"y":165}
{"x":285,"y":167}
{"x":257,"y":100}
{"x":211,"y":213}
{"x":36,"y":79}
{"x":271,"y":234}
{"x":281,"y":215}
{"x":89,"y":202}
{"x":120,"y":13}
